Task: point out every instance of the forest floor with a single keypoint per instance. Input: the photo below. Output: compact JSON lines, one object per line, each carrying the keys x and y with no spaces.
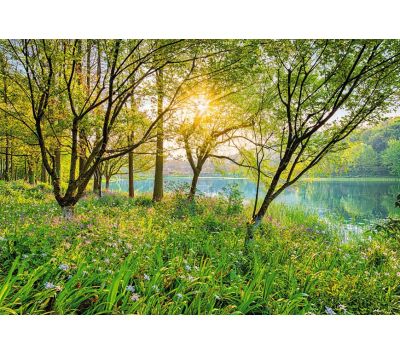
{"x":130,"y":256}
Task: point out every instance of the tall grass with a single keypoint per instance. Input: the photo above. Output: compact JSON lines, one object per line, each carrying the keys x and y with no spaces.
{"x":130,"y":256}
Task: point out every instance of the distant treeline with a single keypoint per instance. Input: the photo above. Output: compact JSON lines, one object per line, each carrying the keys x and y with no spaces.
{"x":370,"y":152}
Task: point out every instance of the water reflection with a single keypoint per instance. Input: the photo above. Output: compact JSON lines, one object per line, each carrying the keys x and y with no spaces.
{"x":352,"y":202}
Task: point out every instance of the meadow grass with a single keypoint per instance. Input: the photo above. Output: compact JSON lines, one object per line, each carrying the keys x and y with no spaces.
{"x":130,"y":256}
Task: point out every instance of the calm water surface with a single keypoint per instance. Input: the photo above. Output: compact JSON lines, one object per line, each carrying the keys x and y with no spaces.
{"x":352,"y":202}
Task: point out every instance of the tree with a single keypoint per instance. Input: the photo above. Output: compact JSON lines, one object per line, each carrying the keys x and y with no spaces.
{"x":391,"y":157}
{"x":46,"y":69}
{"x":320,"y":91}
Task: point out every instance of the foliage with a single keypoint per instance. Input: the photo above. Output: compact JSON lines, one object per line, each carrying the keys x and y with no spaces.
{"x":371,"y":151}
{"x":391,"y":157}
{"x":104,"y":262}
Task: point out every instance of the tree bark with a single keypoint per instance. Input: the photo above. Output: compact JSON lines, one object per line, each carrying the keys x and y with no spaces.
{"x":7,"y":166}
{"x":31,"y":173}
{"x":58,"y":162}
{"x":43,"y":177}
{"x":193,"y":186}
{"x":131,"y":187}
{"x":97,"y":182}
{"x":107,"y":183}
{"x":158,"y":191}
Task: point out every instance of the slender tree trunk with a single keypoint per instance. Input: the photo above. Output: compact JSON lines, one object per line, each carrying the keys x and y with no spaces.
{"x":97,"y":181}
{"x":58,"y":161}
{"x":257,"y":219}
{"x":158,"y":173}
{"x":43,"y":177}
{"x":131,"y":187}
{"x":193,"y":186}
{"x":31,"y":173}
{"x":7,"y":166}
{"x":82,"y":151}
{"x":107,"y":183}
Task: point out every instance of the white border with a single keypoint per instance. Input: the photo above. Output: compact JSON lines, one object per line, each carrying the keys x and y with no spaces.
{"x":200,"y":19}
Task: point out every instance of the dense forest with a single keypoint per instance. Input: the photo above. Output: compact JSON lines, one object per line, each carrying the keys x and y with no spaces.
{"x":372,"y":151}
{"x":76,"y":113}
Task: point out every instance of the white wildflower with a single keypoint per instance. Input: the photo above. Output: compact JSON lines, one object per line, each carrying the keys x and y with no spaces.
{"x":130,"y":288}
{"x":135,"y":297}
{"x":146,"y":277}
{"x":179,"y":295}
{"x":329,"y":311}
{"x":49,"y":285}
{"x":63,"y":267}
{"x":187,"y":267}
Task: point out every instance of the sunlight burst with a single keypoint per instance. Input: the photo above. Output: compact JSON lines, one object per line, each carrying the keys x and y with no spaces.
{"x":202,"y":104}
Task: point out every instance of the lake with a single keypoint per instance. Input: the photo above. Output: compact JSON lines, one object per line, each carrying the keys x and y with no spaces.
{"x":354,"y":202}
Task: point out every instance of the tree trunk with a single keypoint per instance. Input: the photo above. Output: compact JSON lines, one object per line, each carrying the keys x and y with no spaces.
{"x":68,"y":212}
{"x":82,"y":151}
{"x":131,"y":187}
{"x":256,"y":220}
{"x":31,"y":173}
{"x":107,"y":183}
{"x":43,"y":177}
{"x":97,"y":182}
{"x":193,"y":186}
{"x":6,"y":170}
{"x":58,"y":162}
{"x":158,"y":191}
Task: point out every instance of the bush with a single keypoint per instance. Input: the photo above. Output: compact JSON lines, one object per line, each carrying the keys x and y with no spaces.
{"x":234,"y":198}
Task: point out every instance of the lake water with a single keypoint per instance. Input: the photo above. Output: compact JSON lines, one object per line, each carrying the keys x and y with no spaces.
{"x":353,"y":202}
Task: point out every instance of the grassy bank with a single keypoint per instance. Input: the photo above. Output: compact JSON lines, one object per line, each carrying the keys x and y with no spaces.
{"x":353,"y":179}
{"x":124,"y":256}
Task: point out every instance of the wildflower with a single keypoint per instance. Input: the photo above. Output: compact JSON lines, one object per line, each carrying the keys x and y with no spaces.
{"x":63,"y":267}
{"x":84,"y":273}
{"x":43,"y":255}
{"x":135,"y":297}
{"x":187,"y":267}
{"x":342,"y":307}
{"x":114,"y":254}
{"x":49,"y":285}
{"x":217,"y":297}
{"x":155,"y":288}
{"x":107,"y":260}
{"x":24,"y":256}
{"x":329,"y":311}
{"x":179,"y":295}
{"x":130,"y":288}
{"x":58,"y":288}
{"x":146,"y":277}
{"x":398,"y":274}
{"x":110,"y":271}
{"x":190,"y":278}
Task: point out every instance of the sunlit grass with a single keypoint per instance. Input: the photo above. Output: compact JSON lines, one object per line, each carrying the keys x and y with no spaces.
{"x":130,"y":256}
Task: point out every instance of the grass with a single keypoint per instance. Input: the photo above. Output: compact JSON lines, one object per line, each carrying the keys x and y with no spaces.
{"x":130,"y":256}
{"x":354,"y":179}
